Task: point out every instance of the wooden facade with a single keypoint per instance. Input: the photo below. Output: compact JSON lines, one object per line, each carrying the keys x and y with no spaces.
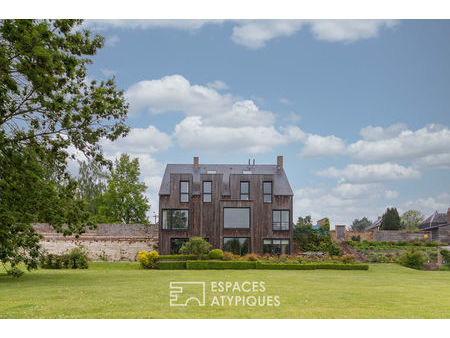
{"x":206,"y":218}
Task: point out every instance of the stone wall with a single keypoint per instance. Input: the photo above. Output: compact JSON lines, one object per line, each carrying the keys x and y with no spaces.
{"x":348,"y":235}
{"x":384,"y":235}
{"x":109,"y":242}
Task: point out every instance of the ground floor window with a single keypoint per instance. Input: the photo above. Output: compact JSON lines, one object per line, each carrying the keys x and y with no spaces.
{"x":175,"y":219}
{"x":237,"y":245}
{"x":176,"y":244}
{"x":276,"y":246}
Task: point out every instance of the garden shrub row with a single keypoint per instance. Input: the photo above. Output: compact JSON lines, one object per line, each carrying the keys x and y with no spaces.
{"x":180,"y":257}
{"x":244,"y":265}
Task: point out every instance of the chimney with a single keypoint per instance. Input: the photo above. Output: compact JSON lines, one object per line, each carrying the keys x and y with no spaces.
{"x":253,"y":162}
{"x":195,"y":162}
{"x":279,"y":163}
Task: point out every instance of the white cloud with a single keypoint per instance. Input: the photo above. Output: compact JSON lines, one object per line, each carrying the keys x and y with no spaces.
{"x":379,"y":133}
{"x":284,"y":100}
{"x":317,"y":146}
{"x":112,"y":41}
{"x":139,"y":140}
{"x":428,"y":205}
{"x":189,"y":25}
{"x":219,"y":85}
{"x":292,"y":117}
{"x":193,"y":133}
{"x":407,"y":145}
{"x":348,"y":30}
{"x":437,"y":161}
{"x":371,"y":173}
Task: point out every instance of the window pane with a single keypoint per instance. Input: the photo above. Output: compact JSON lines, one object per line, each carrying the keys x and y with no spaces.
{"x":179,"y":219}
{"x":267,"y":186}
{"x":184,"y":186}
{"x":206,"y":197}
{"x":184,"y":198}
{"x":267,"y":246}
{"x":268,"y":198}
{"x":207,"y":187}
{"x":165,"y":219}
{"x":236,"y":218}
{"x":244,"y":187}
{"x":238,"y":246}
{"x":176,"y":244}
{"x":244,"y":197}
{"x":285,"y":247}
{"x":285,"y":220}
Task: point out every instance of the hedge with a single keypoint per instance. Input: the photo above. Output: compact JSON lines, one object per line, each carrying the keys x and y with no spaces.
{"x":281,"y":266}
{"x":178,"y":265}
{"x":180,"y":257}
{"x":205,"y":265}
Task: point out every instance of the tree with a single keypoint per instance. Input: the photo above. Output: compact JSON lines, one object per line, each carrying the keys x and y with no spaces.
{"x":196,"y":246}
{"x":390,"y":220}
{"x":411,"y":219}
{"x":304,"y":221}
{"x":360,"y":224}
{"x":91,"y":184}
{"x":124,"y":200}
{"x":47,"y":107}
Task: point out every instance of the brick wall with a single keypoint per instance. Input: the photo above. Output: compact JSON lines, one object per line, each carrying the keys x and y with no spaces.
{"x":111,"y":242}
{"x":384,"y":235}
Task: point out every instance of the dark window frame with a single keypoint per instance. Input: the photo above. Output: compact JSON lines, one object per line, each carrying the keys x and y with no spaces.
{"x":170,"y":220}
{"x":281,"y":218}
{"x":184,"y":193}
{"x":249,"y":242}
{"x":207,"y":193}
{"x":249,"y":217}
{"x":272,"y":245}
{"x":172,"y":238}
{"x":267,"y":194}
{"x":248,"y":191}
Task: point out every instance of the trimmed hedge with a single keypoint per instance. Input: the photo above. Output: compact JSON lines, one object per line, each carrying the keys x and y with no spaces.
{"x":180,"y":257}
{"x":220,"y":265}
{"x":281,"y":266}
{"x":179,"y":265}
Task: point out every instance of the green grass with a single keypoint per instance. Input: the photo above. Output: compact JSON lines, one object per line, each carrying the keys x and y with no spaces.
{"x":121,"y":290}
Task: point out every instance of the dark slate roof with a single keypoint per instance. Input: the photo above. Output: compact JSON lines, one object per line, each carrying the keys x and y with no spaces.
{"x":281,"y":184}
{"x":435,"y":220}
{"x":375,"y":225}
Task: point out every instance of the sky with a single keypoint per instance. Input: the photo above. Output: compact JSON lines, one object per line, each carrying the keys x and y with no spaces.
{"x":360,"y":109}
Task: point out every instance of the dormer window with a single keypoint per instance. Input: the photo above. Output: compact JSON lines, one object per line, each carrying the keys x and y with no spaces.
{"x":184,"y":191}
{"x":207,"y":191}
{"x":267,"y":192}
{"x":245,"y":191}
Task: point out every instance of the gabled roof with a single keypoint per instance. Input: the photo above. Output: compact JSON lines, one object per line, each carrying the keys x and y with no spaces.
{"x":281,"y":184}
{"x":376,"y":224}
{"x":435,"y":220}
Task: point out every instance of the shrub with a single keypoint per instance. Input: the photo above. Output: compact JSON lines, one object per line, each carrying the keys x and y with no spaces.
{"x":356,"y":238}
{"x":171,"y":265}
{"x":206,"y":265}
{"x":215,"y":254}
{"x":179,"y":257}
{"x":148,"y":260}
{"x":14,"y":272}
{"x":413,"y":259}
{"x":251,"y":257}
{"x":77,"y":258}
{"x":314,"y":266}
{"x":228,"y":256}
{"x":445,"y":256}
{"x":347,"y":259}
{"x":196,"y":246}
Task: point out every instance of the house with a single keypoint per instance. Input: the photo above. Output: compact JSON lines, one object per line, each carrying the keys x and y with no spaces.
{"x":375,"y":226}
{"x":237,"y":208}
{"x":439,"y":225}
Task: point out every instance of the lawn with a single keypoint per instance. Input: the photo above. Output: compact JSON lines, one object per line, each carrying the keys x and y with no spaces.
{"x":121,"y":290}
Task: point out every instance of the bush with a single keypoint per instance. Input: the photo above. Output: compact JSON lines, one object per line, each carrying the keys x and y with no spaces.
{"x":148,"y":260}
{"x":76,"y":259}
{"x":207,"y":265}
{"x":196,"y":246}
{"x":215,"y":254}
{"x":228,"y":256}
{"x":413,"y":259}
{"x":250,"y":257}
{"x":180,"y":257}
{"x":316,"y":266}
{"x":445,"y":256}
{"x":14,"y":272}
{"x":171,"y":265}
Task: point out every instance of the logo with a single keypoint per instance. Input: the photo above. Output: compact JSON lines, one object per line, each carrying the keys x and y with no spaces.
{"x":183,"y":293}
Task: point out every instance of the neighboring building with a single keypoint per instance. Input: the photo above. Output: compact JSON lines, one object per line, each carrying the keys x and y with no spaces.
{"x":375,"y":225}
{"x":439,"y":225}
{"x":237,"y":208}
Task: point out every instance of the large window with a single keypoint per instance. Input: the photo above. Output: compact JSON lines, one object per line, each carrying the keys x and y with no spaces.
{"x":276,"y":246}
{"x":207,"y":191}
{"x":176,"y":244}
{"x":237,"y":245}
{"x":236,"y":218}
{"x":175,"y":219}
{"x":184,"y":191}
{"x":280,"y":220}
{"x":245,"y":191}
{"x":267,"y":192}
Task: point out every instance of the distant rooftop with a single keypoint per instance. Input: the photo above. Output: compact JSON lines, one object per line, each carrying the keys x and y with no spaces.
{"x":435,"y":220}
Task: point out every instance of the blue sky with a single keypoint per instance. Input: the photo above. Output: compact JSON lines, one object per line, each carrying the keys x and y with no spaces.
{"x":359,"y":109}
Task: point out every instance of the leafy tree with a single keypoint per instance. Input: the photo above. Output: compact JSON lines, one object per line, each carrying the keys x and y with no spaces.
{"x":411,"y":219}
{"x":124,"y":200}
{"x":304,"y":221}
{"x":47,"y":105}
{"x":91,"y":184}
{"x":390,"y":220}
{"x":196,"y":246}
{"x":360,"y":224}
